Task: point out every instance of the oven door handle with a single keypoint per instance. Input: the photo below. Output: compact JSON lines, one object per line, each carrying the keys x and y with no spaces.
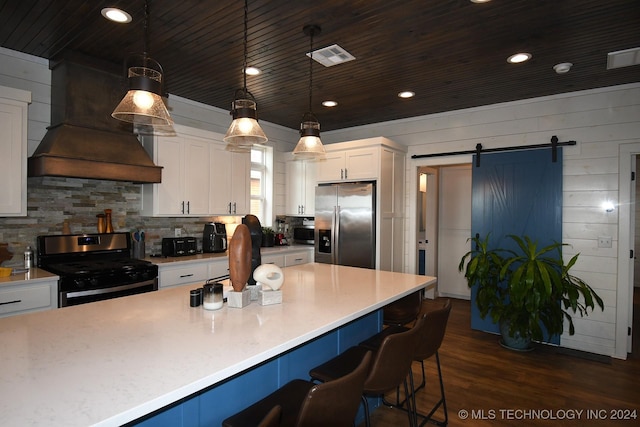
{"x":103,"y":291}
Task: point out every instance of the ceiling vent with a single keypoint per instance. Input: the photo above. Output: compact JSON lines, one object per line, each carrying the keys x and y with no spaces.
{"x":623,"y":58}
{"x":332,"y":55}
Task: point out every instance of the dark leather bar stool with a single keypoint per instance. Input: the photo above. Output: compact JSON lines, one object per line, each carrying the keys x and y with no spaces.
{"x":429,"y":343}
{"x":304,"y":403}
{"x":403,"y":311}
{"x":389,"y":369}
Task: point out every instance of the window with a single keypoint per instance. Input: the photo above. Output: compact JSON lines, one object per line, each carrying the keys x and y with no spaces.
{"x":262,"y":184}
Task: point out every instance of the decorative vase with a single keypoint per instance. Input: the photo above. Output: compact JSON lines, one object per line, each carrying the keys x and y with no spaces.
{"x":107,"y":220}
{"x":240,"y":258}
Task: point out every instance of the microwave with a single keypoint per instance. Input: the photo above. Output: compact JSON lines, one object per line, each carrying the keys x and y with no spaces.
{"x":304,"y":235}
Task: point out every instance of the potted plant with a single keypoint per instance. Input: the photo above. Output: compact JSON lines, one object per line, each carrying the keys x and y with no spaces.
{"x":526,"y":290}
{"x":268,"y":237}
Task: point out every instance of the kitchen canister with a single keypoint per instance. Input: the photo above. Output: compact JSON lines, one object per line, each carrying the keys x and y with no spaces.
{"x":212,"y":296}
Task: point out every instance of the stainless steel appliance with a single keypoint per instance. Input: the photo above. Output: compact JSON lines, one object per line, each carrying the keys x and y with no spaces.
{"x":179,"y":246}
{"x":304,"y":235}
{"x":94,"y":267}
{"x":214,"y":237}
{"x":345,"y":231}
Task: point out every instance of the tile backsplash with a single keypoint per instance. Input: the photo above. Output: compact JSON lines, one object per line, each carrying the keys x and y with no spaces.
{"x":52,"y":201}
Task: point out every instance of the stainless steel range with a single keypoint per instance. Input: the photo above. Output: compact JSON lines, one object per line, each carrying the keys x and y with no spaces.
{"x":94,"y":267}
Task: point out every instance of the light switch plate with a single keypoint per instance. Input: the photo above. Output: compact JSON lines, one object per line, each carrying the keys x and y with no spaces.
{"x":177,"y":232}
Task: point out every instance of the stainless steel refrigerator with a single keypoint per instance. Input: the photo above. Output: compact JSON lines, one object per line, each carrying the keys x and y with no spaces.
{"x":345,"y":224}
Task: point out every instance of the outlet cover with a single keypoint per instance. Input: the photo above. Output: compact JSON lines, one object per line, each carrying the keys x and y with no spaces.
{"x":177,"y":232}
{"x":604,"y":242}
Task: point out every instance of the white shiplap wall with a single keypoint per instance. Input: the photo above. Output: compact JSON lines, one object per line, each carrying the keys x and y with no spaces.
{"x":600,"y":121}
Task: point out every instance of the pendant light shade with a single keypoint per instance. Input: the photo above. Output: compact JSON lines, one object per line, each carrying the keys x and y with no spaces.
{"x":309,"y":145}
{"x":244,"y":131}
{"x":143,"y":104}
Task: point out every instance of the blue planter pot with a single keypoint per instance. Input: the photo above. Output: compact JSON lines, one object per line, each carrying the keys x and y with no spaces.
{"x":516,"y":342}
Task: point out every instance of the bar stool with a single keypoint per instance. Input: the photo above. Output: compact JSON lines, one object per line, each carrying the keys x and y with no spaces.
{"x":403,"y":311}
{"x":304,"y":403}
{"x":390,"y":366}
{"x":428,"y":345}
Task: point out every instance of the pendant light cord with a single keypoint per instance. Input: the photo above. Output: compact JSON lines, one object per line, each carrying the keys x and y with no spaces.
{"x":310,"y":69}
{"x":244,"y":64}
{"x":145,"y":47}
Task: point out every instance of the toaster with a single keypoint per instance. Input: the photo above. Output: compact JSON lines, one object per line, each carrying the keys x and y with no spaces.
{"x":179,"y":246}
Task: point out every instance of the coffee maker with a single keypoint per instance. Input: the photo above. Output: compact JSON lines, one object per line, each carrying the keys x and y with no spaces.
{"x":214,"y":237}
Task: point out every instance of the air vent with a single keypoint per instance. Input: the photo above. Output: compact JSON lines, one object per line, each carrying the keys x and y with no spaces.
{"x":332,"y":55}
{"x":622,"y":58}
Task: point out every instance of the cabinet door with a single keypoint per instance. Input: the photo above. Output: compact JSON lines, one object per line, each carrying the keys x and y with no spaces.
{"x":296,"y":258}
{"x":195,"y":273}
{"x":362,"y":163}
{"x":240,"y":183}
{"x":331,"y":167}
{"x":168,"y":194}
{"x":309,"y":187}
{"x":230,"y":191}
{"x":196,"y":176}
{"x":295,"y":187}
{"x":13,"y":155}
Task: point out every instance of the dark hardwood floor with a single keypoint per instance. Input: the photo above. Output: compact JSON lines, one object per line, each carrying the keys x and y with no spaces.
{"x":500,"y":387}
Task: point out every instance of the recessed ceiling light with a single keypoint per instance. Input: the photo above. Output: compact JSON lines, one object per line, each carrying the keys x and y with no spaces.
{"x":329,"y":103}
{"x":480,"y":1}
{"x":563,"y":67}
{"x":406,"y":94}
{"x":252,"y":71}
{"x":519,"y":57}
{"x":116,"y":15}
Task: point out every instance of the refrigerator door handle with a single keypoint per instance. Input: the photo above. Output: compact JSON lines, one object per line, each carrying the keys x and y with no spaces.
{"x":335,"y":255}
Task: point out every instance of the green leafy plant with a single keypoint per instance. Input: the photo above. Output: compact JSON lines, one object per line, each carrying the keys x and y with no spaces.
{"x":528,"y":287}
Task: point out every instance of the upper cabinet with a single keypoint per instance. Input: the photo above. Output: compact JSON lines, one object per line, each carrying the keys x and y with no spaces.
{"x":13,"y":151}
{"x":230,"y":190}
{"x":351,"y":164}
{"x":199,"y":177}
{"x":301,"y":185}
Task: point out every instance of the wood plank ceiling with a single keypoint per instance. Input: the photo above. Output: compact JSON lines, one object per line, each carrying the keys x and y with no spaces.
{"x":452,"y":53}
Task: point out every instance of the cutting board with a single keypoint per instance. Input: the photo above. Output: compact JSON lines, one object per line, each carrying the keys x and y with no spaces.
{"x":5,"y":255}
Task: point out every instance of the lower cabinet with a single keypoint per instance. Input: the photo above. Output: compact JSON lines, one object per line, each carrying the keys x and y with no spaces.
{"x":182,"y":274}
{"x":26,"y":297}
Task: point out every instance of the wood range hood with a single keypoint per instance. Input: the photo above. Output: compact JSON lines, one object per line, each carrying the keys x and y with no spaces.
{"x":84,"y":141}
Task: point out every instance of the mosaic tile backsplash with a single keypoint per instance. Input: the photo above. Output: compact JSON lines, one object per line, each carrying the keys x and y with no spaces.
{"x":52,"y":201}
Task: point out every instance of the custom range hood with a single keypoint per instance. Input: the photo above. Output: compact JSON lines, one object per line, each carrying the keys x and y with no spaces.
{"x":84,"y":141}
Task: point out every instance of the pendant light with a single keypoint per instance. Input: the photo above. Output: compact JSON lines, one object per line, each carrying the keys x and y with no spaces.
{"x":143,"y":104}
{"x":309,"y":145}
{"x":244,"y":131}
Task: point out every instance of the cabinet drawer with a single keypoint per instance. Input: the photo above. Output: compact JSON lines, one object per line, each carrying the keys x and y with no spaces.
{"x":296,"y":258}
{"x":273,"y":259}
{"x":219,"y":269}
{"x":183,"y":275}
{"x":15,"y":300}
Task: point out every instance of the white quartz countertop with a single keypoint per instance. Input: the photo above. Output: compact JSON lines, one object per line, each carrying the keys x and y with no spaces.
{"x":32,"y":275}
{"x":160,"y":260}
{"x":110,"y":362}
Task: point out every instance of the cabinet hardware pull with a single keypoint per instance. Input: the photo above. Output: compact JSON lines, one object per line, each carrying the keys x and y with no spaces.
{"x":183,"y":207}
{"x":341,"y":173}
{"x":186,"y":275}
{"x":298,"y":259}
{"x":11,"y":302}
{"x":234,"y":207}
{"x":188,"y":207}
{"x":229,"y":207}
{"x":345,"y":173}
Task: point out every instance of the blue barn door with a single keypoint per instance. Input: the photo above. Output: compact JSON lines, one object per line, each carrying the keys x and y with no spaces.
{"x":515,"y":192}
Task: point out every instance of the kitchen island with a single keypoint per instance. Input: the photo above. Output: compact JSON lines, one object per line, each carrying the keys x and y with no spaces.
{"x":113,"y":362}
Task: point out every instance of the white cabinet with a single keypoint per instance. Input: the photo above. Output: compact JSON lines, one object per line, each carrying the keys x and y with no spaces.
{"x":25,"y":296}
{"x":342,"y":164}
{"x":297,"y":258}
{"x":219,"y":268}
{"x":184,"y":190}
{"x":199,"y":177}
{"x":13,"y":151}
{"x":391,"y":214}
{"x":301,"y":187}
{"x":180,"y":273}
{"x":273,"y":259}
{"x":230,"y":190}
